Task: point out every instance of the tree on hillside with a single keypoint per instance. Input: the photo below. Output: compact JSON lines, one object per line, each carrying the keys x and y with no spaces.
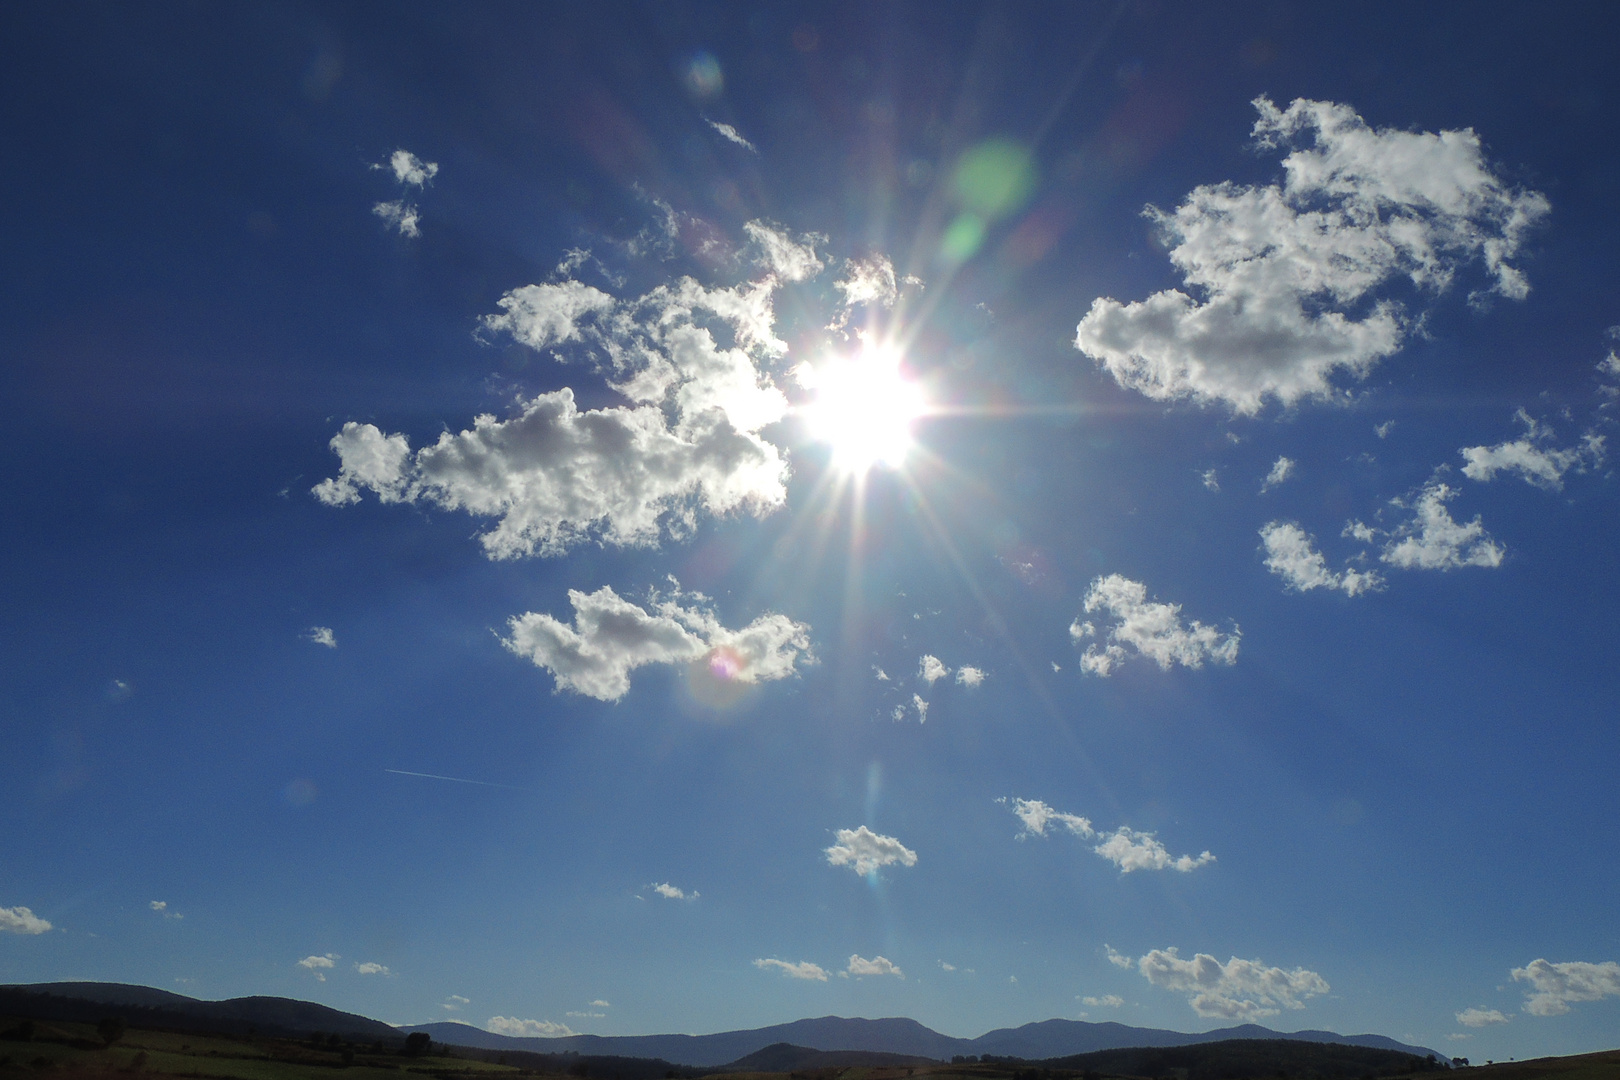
{"x":111,"y":1029}
{"x":417,"y":1043}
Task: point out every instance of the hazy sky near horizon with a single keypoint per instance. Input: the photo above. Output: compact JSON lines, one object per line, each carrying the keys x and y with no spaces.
{"x":643,"y":518}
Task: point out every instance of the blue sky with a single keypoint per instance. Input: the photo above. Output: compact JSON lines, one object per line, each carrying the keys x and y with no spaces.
{"x":679,"y":518}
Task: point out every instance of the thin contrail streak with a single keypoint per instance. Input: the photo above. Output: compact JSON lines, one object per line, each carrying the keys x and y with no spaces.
{"x":452,"y":779}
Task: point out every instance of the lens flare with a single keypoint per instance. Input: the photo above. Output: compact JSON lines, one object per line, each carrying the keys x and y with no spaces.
{"x":864,"y":408}
{"x":726,"y":663}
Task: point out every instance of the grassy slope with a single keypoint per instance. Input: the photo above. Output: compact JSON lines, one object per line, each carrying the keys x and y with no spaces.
{"x":74,"y":1050}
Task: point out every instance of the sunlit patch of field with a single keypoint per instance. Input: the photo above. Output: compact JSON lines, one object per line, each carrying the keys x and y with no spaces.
{"x":1600,"y":1066}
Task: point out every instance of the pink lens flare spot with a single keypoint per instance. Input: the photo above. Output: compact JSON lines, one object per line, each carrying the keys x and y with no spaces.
{"x":726,"y":663}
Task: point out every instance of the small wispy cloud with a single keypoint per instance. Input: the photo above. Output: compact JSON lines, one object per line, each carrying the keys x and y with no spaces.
{"x":731,"y":134}
{"x":409,"y":169}
{"x":1125,"y":847}
{"x":673,"y":892}
{"x":1281,"y":470}
{"x":1533,"y":457}
{"x":370,"y":968}
{"x":1107,"y":1001}
{"x":1478,"y":1018}
{"x":319,"y":965}
{"x":321,"y":635}
{"x":970,"y":676}
{"x":859,"y":965}
{"x":804,"y":969}
{"x":528,"y":1029}
{"x":400,"y":215}
{"x":162,"y":908}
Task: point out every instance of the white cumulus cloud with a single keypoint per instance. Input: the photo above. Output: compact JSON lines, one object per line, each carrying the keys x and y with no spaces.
{"x":369,"y":968}
{"x":1148,"y":628}
{"x":1131,"y":850}
{"x":552,"y":476}
{"x":1107,"y":1001}
{"x":549,"y":314}
{"x":970,"y":676}
{"x":20,"y":920}
{"x":1478,"y":1018}
{"x":930,"y":670}
{"x":921,"y":706}
{"x":1037,"y":815}
{"x":1244,"y":990}
{"x":611,"y":637}
{"x":318,"y":965}
{"x":528,"y":1029}
{"x":1431,"y":539}
{"x":674,"y":892}
{"x":410,"y":169}
{"x":804,"y":969}
{"x":1554,"y":986}
{"x":858,"y":965}
{"x":1291,"y":555}
{"x":1281,"y":470}
{"x":1532,"y":457}
{"x":321,"y":635}
{"x":1289,"y":272}
{"x":867,"y":851}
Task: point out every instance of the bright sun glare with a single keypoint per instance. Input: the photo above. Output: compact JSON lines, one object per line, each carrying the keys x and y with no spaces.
{"x":864,"y":407}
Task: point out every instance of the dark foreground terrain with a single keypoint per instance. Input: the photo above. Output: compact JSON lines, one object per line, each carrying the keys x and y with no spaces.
{"x":69,"y":1050}
{"x":65,"y":1031}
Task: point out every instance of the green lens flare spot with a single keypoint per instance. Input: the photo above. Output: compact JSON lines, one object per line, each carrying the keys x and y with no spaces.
{"x":994,"y":178}
{"x":962,"y":238}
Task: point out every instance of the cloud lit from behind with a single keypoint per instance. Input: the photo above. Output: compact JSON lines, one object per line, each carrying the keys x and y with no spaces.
{"x":720,"y":679}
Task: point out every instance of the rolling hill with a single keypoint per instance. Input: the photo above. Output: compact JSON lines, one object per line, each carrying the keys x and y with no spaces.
{"x":894,"y":1035}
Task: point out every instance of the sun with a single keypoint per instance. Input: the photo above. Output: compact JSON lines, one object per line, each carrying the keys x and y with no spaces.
{"x":864,"y":407}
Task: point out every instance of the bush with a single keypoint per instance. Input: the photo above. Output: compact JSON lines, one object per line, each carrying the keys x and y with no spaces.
{"x":111,"y":1029}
